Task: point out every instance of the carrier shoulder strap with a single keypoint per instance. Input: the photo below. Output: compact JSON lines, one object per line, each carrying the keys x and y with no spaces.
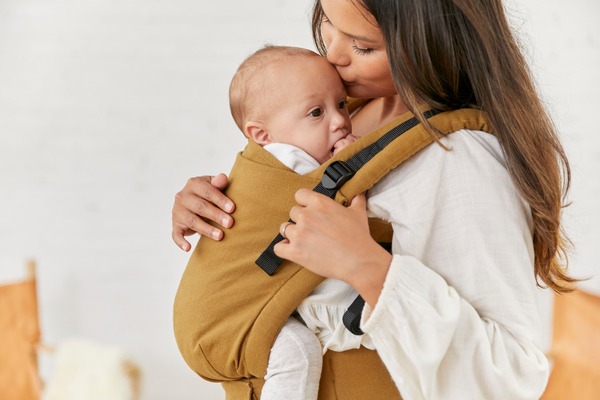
{"x":336,"y":174}
{"x":391,"y":145}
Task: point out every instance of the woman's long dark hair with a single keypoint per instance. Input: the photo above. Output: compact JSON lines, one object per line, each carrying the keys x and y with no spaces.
{"x":450,"y":54}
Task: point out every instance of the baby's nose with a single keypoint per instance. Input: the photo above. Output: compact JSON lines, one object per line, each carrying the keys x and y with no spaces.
{"x":339,"y":120}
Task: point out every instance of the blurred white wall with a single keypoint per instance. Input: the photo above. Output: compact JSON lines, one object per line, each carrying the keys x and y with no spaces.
{"x":566,"y":50}
{"x":107,"y":107}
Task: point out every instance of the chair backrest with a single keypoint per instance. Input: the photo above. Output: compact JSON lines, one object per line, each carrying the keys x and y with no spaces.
{"x":19,"y":338}
{"x":575,"y":348}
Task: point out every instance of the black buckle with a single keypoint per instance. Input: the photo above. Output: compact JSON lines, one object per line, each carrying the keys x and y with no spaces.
{"x":336,"y":174}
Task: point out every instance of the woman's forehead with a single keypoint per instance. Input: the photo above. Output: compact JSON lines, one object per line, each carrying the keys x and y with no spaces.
{"x":351,"y":18}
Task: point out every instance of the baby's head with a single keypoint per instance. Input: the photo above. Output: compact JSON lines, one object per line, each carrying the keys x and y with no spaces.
{"x":290,"y":95}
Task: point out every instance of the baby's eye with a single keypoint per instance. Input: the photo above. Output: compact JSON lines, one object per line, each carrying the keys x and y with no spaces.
{"x":342,"y":104}
{"x":317,"y":112}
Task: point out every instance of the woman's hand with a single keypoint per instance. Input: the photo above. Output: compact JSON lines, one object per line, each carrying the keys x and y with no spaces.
{"x":200,"y":199}
{"x":334,"y":241}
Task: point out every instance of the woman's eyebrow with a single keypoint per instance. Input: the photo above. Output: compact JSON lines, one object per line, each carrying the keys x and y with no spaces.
{"x":356,"y":37}
{"x":359,"y":37}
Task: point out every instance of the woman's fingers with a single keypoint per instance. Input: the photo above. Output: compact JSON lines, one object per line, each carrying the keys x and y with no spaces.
{"x":210,"y":189}
{"x":186,"y":223}
{"x":305,"y":196}
{"x":199,"y":201}
{"x":319,"y":203}
{"x":334,"y":241}
{"x":359,"y":203}
{"x":201,"y":198}
{"x":178,"y":234}
{"x":283,"y":229}
{"x":219,"y":181}
{"x":324,"y":230}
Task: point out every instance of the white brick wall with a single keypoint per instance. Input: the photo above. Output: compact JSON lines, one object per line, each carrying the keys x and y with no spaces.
{"x":107,"y":107}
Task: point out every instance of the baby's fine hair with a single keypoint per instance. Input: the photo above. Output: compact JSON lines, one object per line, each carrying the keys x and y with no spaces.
{"x":249,"y":79}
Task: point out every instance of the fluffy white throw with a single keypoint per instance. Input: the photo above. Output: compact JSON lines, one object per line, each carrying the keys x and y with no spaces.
{"x":88,"y":371}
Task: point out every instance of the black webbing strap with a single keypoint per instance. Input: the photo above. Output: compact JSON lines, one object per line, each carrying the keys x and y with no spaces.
{"x":335,"y":176}
{"x":351,"y":318}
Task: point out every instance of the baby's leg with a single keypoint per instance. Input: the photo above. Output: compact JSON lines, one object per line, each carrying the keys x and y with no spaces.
{"x":295,"y":362}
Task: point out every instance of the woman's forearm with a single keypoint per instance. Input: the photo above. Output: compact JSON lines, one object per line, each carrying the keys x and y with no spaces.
{"x":368,"y":278}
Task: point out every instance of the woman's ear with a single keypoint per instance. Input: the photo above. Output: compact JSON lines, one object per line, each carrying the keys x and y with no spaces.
{"x":255,"y":130}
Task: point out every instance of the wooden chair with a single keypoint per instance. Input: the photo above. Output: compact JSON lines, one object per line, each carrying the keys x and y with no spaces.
{"x":19,"y":339}
{"x":20,"y":343}
{"x":575,"y":348}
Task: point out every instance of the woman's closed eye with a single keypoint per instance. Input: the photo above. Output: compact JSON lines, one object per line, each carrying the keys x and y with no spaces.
{"x":361,"y":51}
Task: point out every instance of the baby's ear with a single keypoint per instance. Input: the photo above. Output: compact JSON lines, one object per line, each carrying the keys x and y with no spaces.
{"x":255,"y":130}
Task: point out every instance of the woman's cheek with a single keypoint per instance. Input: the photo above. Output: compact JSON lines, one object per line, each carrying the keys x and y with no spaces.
{"x":326,"y":34}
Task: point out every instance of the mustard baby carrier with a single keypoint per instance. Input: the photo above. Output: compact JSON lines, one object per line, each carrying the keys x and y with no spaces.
{"x":228,"y":311}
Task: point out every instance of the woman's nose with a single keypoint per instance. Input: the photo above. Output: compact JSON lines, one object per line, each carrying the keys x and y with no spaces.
{"x":335,"y":53}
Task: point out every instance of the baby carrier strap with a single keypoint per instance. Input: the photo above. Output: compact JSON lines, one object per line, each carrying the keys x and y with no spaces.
{"x":227,"y":311}
{"x":336,"y":174}
{"x":369,"y":168}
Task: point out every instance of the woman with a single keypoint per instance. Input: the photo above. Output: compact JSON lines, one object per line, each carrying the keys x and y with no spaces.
{"x":476,"y":217}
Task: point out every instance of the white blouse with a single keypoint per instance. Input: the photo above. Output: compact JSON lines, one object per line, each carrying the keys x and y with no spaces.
{"x":457,"y":317}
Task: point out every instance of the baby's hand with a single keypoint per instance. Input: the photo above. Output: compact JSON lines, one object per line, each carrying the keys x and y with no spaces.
{"x":343,"y":142}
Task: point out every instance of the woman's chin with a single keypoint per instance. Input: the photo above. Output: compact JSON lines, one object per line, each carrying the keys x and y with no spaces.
{"x":357,"y":91}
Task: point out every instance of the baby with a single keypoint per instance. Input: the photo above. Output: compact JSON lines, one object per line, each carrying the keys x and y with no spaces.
{"x":292,"y":102}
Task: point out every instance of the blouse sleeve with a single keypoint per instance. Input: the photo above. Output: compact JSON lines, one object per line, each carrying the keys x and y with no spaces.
{"x":457,"y":317}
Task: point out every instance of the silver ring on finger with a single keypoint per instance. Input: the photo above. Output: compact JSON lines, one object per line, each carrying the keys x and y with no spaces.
{"x":283,"y":227}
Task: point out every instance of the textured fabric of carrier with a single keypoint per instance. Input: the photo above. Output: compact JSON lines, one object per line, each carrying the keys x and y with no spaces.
{"x":227,"y":311}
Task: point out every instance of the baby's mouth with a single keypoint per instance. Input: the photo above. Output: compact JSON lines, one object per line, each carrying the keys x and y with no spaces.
{"x":334,"y":149}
